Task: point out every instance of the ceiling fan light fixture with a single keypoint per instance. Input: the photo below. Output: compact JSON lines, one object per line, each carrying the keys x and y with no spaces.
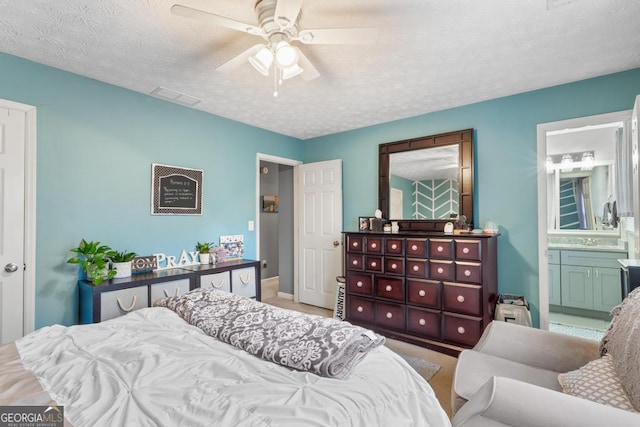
{"x":292,"y":71}
{"x":262,"y":60}
{"x":286,"y":55}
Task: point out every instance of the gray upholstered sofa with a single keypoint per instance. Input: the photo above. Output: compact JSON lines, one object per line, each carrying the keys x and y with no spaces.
{"x":520,"y":376}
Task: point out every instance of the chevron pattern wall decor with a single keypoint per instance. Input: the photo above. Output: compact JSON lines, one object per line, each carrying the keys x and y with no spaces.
{"x":435,"y":199}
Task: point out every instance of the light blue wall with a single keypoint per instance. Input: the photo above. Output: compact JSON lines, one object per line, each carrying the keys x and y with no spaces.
{"x":95,"y":147}
{"x":505,"y":152}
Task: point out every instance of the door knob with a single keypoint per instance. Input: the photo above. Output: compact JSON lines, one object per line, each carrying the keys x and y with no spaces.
{"x":336,"y":243}
{"x":11,"y":267}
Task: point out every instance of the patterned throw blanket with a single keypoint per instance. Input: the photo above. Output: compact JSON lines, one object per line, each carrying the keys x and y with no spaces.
{"x":324,"y":346}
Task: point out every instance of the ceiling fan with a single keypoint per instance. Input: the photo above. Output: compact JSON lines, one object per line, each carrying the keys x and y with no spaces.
{"x":278,"y":26}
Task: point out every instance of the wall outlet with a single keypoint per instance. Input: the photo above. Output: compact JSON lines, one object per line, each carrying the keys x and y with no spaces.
{"x":264,"y":263}
{"x":251,"y":226}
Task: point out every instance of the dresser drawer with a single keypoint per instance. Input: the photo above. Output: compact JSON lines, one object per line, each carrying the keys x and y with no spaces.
{"x":373,"y":263}
{"x":360,"y":284}
{"x":423,"y":322}
{"x":441,"y":248}
{"x":424,"y":292}
{"x":461,"y":298}
{"x":355,"y":244}
{"x":469,"y":249}
{"x":390,"y":315}
{"x":469,"y":272}
{"x":417,"y":248}
{"x":360,"y":309}
{"x":465,"y":330}
{"x":123,"y":301}
{"x":442,"y":270}
{"x":394,"y":246}
{"x":390,"y":288}
{"x":220,"y":281}
{"x":394,"y":265}
{"x":417,"y":268}
{"x":374,"y":245}
{"x":355,"y":262}
{"x":169,"y":289}
{"x":243,"y":282}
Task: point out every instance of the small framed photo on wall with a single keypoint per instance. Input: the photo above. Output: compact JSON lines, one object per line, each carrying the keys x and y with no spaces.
{"x":363,"y":223}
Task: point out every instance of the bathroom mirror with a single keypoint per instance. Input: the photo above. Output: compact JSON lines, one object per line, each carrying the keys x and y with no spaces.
{"x":581,"y":178}
{"x":426,"y":182}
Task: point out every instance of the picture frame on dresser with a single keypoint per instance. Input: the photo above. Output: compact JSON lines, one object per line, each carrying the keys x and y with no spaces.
{"x":363,"y":223}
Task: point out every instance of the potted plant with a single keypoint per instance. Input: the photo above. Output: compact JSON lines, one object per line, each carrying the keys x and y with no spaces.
{"x":121,"y":262}
{"x":203,"y":249}
{"x":93,"y":258}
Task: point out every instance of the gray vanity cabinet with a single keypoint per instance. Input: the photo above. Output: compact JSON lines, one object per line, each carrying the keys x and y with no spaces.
{"x":590,"y":280}
{"x":554,"y":277}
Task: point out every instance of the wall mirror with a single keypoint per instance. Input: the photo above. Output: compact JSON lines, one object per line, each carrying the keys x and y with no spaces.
{"x":582,"y":190}
{"x":426,"y":182}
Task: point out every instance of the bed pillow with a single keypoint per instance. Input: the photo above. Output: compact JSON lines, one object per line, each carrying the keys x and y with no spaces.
{"x":597,"y":381}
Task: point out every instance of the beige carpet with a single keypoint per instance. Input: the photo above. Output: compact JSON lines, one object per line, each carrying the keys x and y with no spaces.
{"x":440,"y":381}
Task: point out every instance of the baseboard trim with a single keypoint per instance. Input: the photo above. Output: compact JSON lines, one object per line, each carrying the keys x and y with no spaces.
{"x":285,"y":295}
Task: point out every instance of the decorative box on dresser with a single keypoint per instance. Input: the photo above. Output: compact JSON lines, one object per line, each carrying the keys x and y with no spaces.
{"x":117,"y":297}
{"x":432,"y":289}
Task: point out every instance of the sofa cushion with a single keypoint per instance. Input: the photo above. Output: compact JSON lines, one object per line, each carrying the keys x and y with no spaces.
{"x":596,"y":381}
{"x":475,"y":368}
{"x":622,"y":342}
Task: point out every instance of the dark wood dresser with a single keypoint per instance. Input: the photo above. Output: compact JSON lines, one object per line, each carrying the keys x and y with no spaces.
{"x":436,"y":290}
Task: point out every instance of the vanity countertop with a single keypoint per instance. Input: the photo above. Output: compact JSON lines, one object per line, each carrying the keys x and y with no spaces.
{"x":590,"y":248}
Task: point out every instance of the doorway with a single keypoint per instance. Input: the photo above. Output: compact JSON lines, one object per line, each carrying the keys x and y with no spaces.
{"x":576,"y":291}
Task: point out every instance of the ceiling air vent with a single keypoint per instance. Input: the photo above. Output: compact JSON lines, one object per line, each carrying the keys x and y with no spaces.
{"x":173,"y":96}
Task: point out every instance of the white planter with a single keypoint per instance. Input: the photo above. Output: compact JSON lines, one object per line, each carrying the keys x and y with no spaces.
{"x":204,"y":258}
{"x":123,"y":269}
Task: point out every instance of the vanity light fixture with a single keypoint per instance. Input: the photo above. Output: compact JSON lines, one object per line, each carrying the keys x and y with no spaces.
{"x":587,"y":161}
{"x":566,"y":164}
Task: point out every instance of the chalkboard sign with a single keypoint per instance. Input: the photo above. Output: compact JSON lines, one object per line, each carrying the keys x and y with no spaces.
{"x":176,"y":190}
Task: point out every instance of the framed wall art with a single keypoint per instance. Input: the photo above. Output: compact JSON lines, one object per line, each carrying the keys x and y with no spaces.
{"x":176,"y":190}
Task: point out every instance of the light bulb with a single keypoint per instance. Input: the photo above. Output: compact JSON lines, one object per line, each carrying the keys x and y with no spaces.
{"x":286,"y":55}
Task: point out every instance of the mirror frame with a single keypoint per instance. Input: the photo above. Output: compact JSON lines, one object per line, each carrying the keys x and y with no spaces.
{"x":464,"y":140}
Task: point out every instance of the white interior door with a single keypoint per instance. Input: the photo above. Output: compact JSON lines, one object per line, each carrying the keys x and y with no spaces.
{"x":12,"y":217}
{"x":319,"y":195}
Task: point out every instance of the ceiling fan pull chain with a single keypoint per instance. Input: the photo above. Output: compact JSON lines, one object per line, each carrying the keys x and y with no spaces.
{"x":275,"y":81}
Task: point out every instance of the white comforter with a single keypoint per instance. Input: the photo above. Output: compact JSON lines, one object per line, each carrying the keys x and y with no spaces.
{"x":152,"y":368}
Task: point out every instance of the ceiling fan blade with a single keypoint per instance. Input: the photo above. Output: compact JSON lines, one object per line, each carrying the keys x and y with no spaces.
{"x":339,"y":36}
{"x":310,"y":71}
{"x":287,"y":12}
{"x":237,"y":61}
{"x":189,"y":12}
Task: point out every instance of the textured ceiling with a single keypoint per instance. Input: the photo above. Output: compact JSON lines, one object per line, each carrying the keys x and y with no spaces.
{"x":429,"y":54}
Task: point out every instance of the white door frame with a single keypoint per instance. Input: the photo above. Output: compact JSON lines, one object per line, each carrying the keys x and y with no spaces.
{"x":29,"y":212}
{"x":289,"y":162}
{"x":543,"y":262}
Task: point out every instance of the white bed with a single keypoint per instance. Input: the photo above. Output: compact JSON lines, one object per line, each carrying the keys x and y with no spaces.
{"x":151,"y":367}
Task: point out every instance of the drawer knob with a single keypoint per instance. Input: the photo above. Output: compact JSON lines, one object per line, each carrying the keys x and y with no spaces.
{"x":440,"y":270}
{"x":127,"y":309}
{"x":440,"y":249}
{"x":374,"y":264}
{"x":422,"y":293}
{"x":416,"y":268}
{"x":467,"y":273}
{"x":414,"y":247}
{"x":394,"y":266}
{"x":465,"y":250}
{"x":388,"y":288}
{"x":374,"y":245}
{"x":422,"y":322}
{"x":217,"y":284}
{"x":360,"y":309}
{"x":461,"y":330}
{"x":359,"y":283}
{"x":389,"y":315}
{"x":460,"y":298}
{"x":394,"y":246}
{"x":354,"y":262}
{"x":354,"y":244}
